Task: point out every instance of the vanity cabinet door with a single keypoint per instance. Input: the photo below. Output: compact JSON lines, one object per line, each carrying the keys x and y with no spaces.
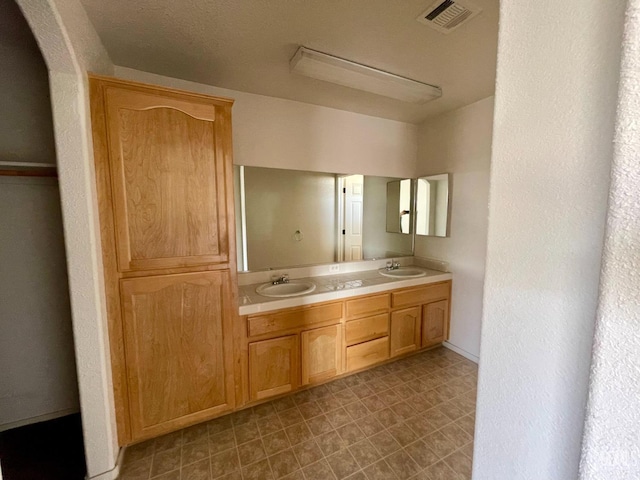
{"x":435,"y":323}
{"x":178,"y":348}
{"x":405,"y":331}
{"x":321,"y":353}
{"x":273,"y":367}
{"x":167,"y":155}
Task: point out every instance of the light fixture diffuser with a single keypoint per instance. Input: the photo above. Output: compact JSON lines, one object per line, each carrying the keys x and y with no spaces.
{"x":332,"y":69}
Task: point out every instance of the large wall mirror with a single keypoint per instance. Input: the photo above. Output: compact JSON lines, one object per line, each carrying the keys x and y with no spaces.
{"x":288,"y":218}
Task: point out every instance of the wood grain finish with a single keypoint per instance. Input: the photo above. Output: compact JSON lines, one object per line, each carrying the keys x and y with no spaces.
{"x":179,"y":351}
{"x":368,"y":328}
{"x":435,"y":323}
{"x":321,"y":353}
{"x":405,"y":331}
{"x":420,"y":295}
{"x":368,"y":305}
{"x":164,"y":180}
{"x":168,"y":184}
{"x":367,"y":354}
{"x":294,"y":318}
{"x":109,"y":262}
{"x":274,"y":367}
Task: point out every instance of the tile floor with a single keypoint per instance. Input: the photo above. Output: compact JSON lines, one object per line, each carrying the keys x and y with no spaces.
{"x":410,"y":419}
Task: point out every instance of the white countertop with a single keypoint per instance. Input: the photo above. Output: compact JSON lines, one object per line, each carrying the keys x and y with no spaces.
{"x":333,"y":287}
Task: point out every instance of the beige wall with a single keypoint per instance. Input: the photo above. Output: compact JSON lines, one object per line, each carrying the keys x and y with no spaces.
{"x":278,"y":133}
{"x":280,"y":202}
{"x":459,"y":142}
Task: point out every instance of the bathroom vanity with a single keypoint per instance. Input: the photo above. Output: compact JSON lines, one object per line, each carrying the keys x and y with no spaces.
{"x":336,"y":331}
{"x":185,"y":347}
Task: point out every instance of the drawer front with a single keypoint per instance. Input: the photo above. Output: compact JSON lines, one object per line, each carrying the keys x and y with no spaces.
{"x":420,"y":295}
{"x":368,"y":328}
{"x":366,"y":305}
{"x":293,"y":318}
{"x":368,"y":353}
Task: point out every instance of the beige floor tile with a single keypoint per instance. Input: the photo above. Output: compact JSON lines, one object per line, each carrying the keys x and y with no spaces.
{"x":413,"y":418}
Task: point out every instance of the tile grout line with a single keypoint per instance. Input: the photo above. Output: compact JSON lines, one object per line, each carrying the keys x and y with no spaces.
{"x":441,"y":362}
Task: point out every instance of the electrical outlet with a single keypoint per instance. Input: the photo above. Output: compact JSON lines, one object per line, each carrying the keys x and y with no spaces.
{"x":334,"y":268}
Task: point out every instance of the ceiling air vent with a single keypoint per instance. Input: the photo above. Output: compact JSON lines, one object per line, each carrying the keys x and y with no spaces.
{"x":448,"y":15}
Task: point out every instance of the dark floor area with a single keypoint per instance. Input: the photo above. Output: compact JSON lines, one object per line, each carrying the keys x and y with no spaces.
{"x":51,"y":450}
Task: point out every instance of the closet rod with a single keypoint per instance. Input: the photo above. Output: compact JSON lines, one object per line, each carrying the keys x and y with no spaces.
{"x":27,"y":169}
{"x":27,"y":164}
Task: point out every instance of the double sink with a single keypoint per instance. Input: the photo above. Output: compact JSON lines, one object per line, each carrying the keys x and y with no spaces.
{"x":296,"y":288}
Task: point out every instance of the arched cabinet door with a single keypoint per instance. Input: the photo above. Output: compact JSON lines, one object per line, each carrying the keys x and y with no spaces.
{"x":435,"y":323}
{"x":178,"y":347}
{"x":167,"y":166}
{"x":405,"y":331}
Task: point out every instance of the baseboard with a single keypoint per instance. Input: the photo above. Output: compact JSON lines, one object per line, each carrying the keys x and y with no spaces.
{"x":38,"y":419}
{"x":113,"y":473}
{"x":462,"y":352}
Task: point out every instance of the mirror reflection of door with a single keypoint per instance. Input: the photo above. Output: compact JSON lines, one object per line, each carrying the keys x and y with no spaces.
{"x":399,"y":206}
{"x":432,"y":205}
{"x":353,"y":191}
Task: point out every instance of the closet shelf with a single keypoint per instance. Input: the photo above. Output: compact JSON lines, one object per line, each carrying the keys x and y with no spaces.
{"x":26,"y":169}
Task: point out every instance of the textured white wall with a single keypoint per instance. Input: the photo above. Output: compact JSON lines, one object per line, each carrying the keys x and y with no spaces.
{"x":611,"y":446}
{"x":278,"y":133}
{"x":555,"y":100}
{"x":459,"y":142}
{"x":70,"y":47}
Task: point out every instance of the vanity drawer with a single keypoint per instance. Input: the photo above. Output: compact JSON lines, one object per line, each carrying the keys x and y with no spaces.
{"x":368,"y":353}
{"x":420,"y":295}
{"x":366,"y":305}
{"x":363,"y":329}
{"x":293,"y":318}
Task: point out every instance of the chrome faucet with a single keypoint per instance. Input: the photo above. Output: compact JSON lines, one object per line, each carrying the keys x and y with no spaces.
{"x":284,"y":278}
{"x":393,"y":265}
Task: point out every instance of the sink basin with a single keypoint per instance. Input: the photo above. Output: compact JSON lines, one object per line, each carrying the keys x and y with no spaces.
{"x":282,"y":290}
{"x":403,"y":272}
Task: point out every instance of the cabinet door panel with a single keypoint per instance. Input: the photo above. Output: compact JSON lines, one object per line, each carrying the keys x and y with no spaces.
{"x":178,"y":347}
{"x":273,"y":367}
{"x":168,"y":182}
{"x":435,"y":323}
{"x":405,"y":331}
{"x":321,"y":353}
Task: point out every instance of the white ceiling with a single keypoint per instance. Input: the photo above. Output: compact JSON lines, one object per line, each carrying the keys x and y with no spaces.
{"x":246,"y":45}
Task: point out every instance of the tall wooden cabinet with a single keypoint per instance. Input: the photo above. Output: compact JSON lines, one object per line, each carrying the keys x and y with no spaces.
{"x":164,"y":181}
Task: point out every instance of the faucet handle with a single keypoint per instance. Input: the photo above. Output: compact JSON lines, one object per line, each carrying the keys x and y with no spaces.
{"x":285,"y":278}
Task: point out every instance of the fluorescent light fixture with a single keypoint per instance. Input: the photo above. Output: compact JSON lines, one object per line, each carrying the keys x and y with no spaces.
{"x":354,"y":75}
